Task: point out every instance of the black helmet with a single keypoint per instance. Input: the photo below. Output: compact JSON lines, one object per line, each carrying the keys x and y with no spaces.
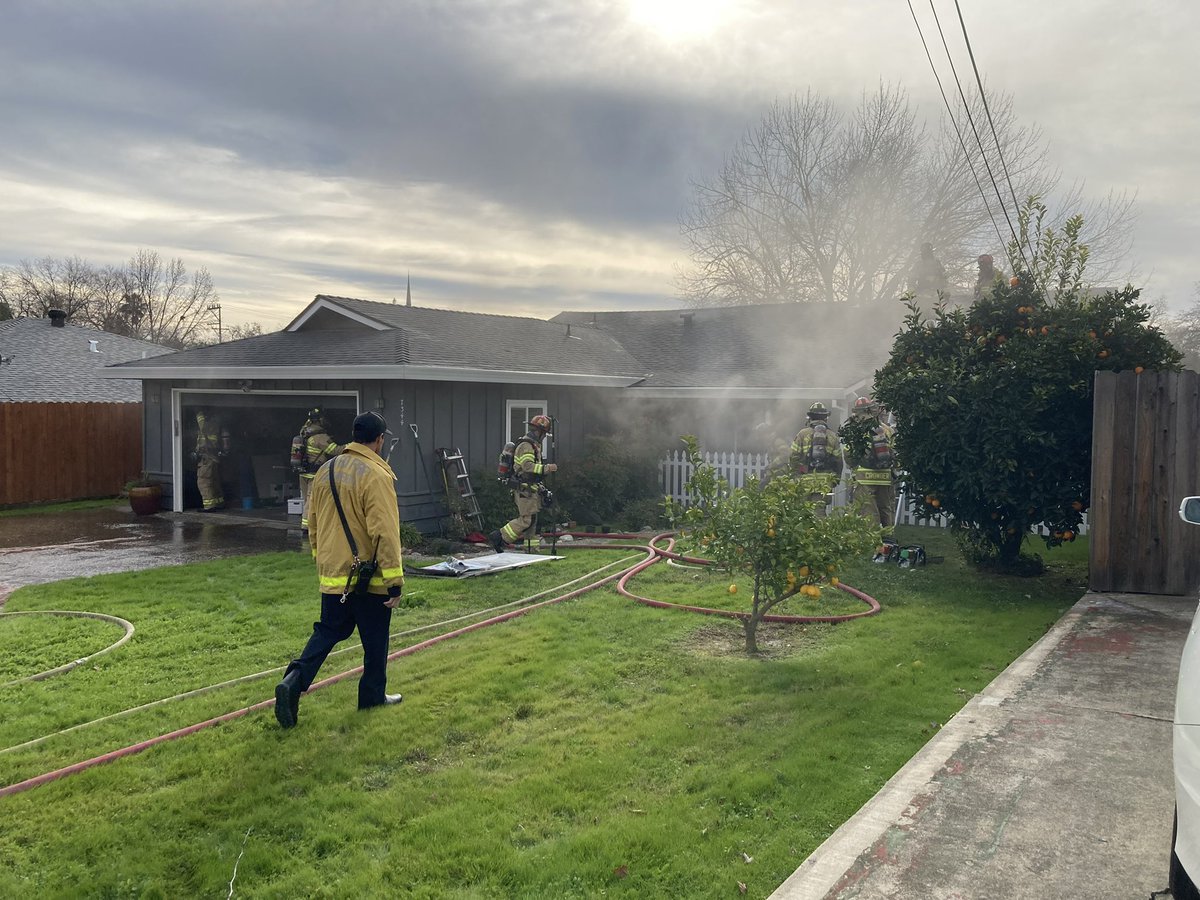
{"x":818,"y":411}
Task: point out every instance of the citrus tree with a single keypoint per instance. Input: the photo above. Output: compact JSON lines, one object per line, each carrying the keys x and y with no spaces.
{"x":769,"y":533}
{"x":994,"y":404}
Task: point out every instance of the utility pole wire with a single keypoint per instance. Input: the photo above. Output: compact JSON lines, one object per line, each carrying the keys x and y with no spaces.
{"x":995,"y":137}
{"x":957,"y":131}
{"x":975,"y":131}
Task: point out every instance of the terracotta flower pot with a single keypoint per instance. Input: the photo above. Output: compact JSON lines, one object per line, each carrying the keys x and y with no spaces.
{"x":146,"y":501}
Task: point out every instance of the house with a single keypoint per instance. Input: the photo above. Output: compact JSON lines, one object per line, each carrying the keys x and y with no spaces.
{"x":450,"y":379}
{"x":66,"y":431}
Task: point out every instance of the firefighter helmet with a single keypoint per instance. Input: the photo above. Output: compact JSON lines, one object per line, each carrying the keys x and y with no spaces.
{"x":540,"y":421}
{"x":866,"y":405}
{"x":818,"y":411}
{"x":985,"y":260}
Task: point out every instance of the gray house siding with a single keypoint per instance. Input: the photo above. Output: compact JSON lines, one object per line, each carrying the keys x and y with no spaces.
{"x":467,"y":416}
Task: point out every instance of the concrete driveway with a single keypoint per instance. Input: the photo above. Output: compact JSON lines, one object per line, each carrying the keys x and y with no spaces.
{"x":1055,"y":781}
{"x":43,"y":547}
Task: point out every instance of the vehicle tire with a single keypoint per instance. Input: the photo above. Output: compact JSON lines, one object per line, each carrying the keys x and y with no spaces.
{"x":1182,"y":886}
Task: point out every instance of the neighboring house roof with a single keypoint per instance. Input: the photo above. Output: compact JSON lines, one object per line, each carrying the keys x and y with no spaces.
{"x":782,"y":349}
{"x":42,"y":363}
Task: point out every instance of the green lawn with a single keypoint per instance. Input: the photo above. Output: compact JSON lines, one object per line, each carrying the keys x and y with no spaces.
{"x":593,"y":747}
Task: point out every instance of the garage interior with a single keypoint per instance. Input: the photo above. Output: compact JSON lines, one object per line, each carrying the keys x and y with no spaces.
{"x":256,"y":473}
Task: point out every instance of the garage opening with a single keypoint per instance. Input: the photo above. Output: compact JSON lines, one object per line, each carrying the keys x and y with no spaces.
{"x":255,"y":472}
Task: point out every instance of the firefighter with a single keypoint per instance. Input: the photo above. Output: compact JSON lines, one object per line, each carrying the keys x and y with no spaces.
{"x":317,"y":448}
{"x":928,"y":275}
{"x":530,"y":473}
{"x":874,"y":468}
{"x":816,"y":450}
{"x":988,"y":277}
{"x":212,"y":444}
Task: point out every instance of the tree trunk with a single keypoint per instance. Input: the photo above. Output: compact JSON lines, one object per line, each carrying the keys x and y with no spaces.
{"x":1010,"y":547}
{"x":750,"y":626}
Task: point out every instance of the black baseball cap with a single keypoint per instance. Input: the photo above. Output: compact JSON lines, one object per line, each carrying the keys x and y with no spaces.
{"x":368,"y":426}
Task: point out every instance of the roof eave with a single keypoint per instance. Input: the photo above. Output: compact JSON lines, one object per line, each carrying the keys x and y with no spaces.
{"x":378,"y":371}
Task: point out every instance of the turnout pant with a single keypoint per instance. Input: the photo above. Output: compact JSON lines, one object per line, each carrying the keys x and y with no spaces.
{"x":338,"y":620}
{"x":208,"y":482}
{"x":305,"y":486}
{"x":529,"y":502}
{"x":877,"y":501}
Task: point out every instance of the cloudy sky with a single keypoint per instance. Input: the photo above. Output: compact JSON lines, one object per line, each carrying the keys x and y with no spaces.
{"x":520,"y":156}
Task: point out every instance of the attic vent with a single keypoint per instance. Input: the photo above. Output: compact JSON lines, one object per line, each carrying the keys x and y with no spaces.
{"x":58,"y":317}
{"x":573,"y":337}
{"x":687,"y":317}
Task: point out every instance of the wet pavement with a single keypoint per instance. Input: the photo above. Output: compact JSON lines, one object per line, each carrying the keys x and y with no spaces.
{"x":43,"y":547}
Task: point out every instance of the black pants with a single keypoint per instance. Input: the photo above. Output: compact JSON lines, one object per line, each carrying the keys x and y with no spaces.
{"x":338,"y":621}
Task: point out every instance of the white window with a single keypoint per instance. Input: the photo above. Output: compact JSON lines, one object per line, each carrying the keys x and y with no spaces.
{"x":519,"y":412}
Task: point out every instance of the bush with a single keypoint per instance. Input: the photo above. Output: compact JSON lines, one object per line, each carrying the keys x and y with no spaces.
{"x":603,"y":480}
{"x":639,"y":514}
{"x":495,"y":500}
{"x":410,"y":537}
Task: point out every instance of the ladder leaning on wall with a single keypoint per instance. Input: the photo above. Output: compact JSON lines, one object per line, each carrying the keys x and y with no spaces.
{"x":460,"y":496}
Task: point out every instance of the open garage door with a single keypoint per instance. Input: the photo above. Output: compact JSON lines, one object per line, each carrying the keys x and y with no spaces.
{"x":255,"y":472}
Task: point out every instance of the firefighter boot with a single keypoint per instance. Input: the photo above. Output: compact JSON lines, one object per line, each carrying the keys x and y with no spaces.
{"x":287,"y":699}
{"x":496,"y":539}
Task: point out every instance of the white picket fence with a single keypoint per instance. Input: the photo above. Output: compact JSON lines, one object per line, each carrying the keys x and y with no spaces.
{"x":735,"y":468}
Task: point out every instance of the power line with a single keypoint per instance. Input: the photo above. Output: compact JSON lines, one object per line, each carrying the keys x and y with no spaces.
{"x":986,"y":108}
{"x":958,"y":131}
{"x":975,"y":131}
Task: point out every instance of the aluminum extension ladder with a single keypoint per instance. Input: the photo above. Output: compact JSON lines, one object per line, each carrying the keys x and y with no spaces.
{"x":460,"y":496}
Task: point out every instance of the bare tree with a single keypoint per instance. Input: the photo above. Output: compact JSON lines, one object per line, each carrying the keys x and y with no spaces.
{"x":35,"y":288}
{"x":1183,"y":330}
{"x":816,"y":204}
{"x":247,"y":330}
{"x":163,"y":302}
{"x":146,"y":298}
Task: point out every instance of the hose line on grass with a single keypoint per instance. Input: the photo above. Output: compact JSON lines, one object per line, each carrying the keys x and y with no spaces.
{"x":69,"y":613}
{"x":277,"y":669}
{"x":653,"y":555}
{"x":140,"y":746}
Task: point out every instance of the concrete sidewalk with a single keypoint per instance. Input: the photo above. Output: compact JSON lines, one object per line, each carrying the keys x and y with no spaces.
{"x":1055,"y":781}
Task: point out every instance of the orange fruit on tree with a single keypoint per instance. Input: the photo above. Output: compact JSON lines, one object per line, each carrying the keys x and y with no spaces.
{"x":1103,"y":354}
{"x":1138,"y":370}
{"x":1068,"y":535}
{"x":935,"y":502}
{"x":804,"y":570}
{"x":1014,"y":281}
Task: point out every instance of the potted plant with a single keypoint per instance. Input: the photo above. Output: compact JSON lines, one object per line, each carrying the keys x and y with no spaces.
{"x":145,"y":495}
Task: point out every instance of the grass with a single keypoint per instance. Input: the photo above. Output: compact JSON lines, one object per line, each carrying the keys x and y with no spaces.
{"x":594,"y":747}
{"x":65,"y":506}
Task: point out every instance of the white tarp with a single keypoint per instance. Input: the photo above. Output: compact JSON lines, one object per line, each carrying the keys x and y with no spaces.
{"x":481,"y":565}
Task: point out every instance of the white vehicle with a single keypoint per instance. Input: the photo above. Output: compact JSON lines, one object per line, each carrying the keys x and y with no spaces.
{"x":1185,"y":842}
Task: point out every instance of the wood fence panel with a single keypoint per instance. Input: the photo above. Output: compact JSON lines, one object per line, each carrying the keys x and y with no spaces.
{"x":68,"y":451}
{"x":1144,"y":462}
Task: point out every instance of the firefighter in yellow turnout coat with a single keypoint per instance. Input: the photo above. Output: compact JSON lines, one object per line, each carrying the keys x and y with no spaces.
{"x":367,"y":494}
{"x":318,"y":449}
{"x":817,"y":451}
{"x":529,"y":471}
{"x":874,"y":470}
{"x":212,"y":443}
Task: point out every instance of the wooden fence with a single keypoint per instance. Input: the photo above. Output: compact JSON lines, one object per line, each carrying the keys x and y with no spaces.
{"x":1144,"y":462}
{"x":67,"y":451}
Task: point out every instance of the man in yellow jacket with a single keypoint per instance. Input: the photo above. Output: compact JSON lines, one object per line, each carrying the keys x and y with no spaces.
{"x":367,"y":497}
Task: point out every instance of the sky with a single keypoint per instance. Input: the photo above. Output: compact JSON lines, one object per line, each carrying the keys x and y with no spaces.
{"x":521,"y":156}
